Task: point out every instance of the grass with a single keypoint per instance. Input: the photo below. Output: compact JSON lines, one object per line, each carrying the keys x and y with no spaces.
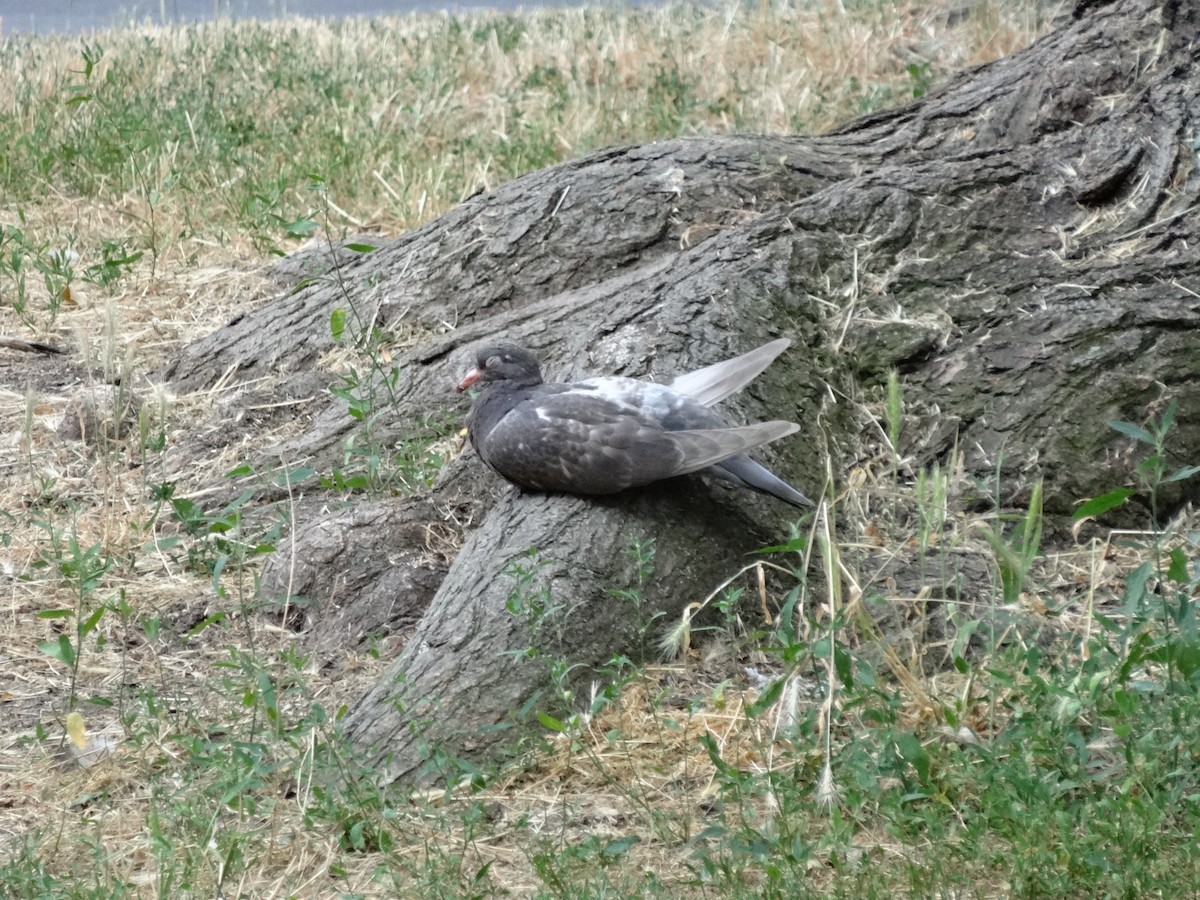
{"x":824,"y":737}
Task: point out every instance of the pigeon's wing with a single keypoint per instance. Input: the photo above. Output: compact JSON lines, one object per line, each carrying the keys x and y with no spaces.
{"x":660,"y":403}
{"x":714,"y":383}
{"x":578,"y":442}
{"x":710,"y":447}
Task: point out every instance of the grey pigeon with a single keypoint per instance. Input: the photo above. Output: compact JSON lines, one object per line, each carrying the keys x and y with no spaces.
{"x":603,"y":435}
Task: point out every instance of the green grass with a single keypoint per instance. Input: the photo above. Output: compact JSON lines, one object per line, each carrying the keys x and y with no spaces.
{"x":1055,"y":753}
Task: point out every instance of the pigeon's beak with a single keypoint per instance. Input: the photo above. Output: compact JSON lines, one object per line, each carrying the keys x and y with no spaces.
{"x":469,"y":380}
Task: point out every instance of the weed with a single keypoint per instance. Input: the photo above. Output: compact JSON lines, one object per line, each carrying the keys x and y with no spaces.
{"x":18,"y":256}
{"x":932,"y":499}
{"x":80,"y":568}
{"x":544,"y":619}
{"x":895,"y":414}
{"x":921,"y":77}
{"x":1151,"y":471}
{"x":1015,"y":552}
{"x":216,"y":538}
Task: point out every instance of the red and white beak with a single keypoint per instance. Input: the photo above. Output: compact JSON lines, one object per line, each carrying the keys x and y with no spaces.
{"x":469,"y":380}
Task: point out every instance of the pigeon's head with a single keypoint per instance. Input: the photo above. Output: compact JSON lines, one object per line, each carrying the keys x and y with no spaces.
{"x":503,"y":362}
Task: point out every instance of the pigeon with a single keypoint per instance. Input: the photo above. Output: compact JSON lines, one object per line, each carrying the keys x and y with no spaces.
{"x":605,"y":435}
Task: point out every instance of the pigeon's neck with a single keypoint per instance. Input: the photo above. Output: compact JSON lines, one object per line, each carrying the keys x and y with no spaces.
{"x":494,"y":402}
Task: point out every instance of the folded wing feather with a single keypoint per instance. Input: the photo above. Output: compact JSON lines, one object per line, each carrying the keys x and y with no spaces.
{"x":714,"y":383}
{"x":701,"y":449}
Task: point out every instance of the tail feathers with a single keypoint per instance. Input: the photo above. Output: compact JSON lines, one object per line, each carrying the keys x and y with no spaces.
{"x":746,"y":472}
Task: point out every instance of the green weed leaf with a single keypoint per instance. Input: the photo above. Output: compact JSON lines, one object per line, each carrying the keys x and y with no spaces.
{"x":766,"y":699}
{"x":844,"y":665}
{"x":1182,"y":474}
{"x":911,"y":751}
{"x":337,"y":324}
{"x":92,"y":621}
{"x":795,"y":545}
{"x":1132,"y":431}
{"x":550,"y":722}
{"x":1136,"y":590}
{"x":55,"y":613}
{"x":204,"y":623}
{"x":1178,"y":570}
{"x":60,"y":649}
{"x":300,"y":228}
{"x":714,"y":754}
{"x":1099,"y":505}
{"x":618,"y":848}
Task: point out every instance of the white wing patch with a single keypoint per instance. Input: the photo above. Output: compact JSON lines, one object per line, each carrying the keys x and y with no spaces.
{"x":647,"y":398}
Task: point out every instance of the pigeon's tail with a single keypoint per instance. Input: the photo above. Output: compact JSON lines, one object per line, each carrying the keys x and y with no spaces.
{"x":745,"y":471}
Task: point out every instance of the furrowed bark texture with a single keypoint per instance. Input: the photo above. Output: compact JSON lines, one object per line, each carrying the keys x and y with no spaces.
{"x":1021,"y":246}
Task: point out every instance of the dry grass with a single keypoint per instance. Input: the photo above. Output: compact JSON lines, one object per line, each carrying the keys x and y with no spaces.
{"x":402,"y":118}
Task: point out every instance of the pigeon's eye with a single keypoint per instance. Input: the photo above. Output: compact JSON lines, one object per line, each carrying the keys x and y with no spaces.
{"x":492,"y":362}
